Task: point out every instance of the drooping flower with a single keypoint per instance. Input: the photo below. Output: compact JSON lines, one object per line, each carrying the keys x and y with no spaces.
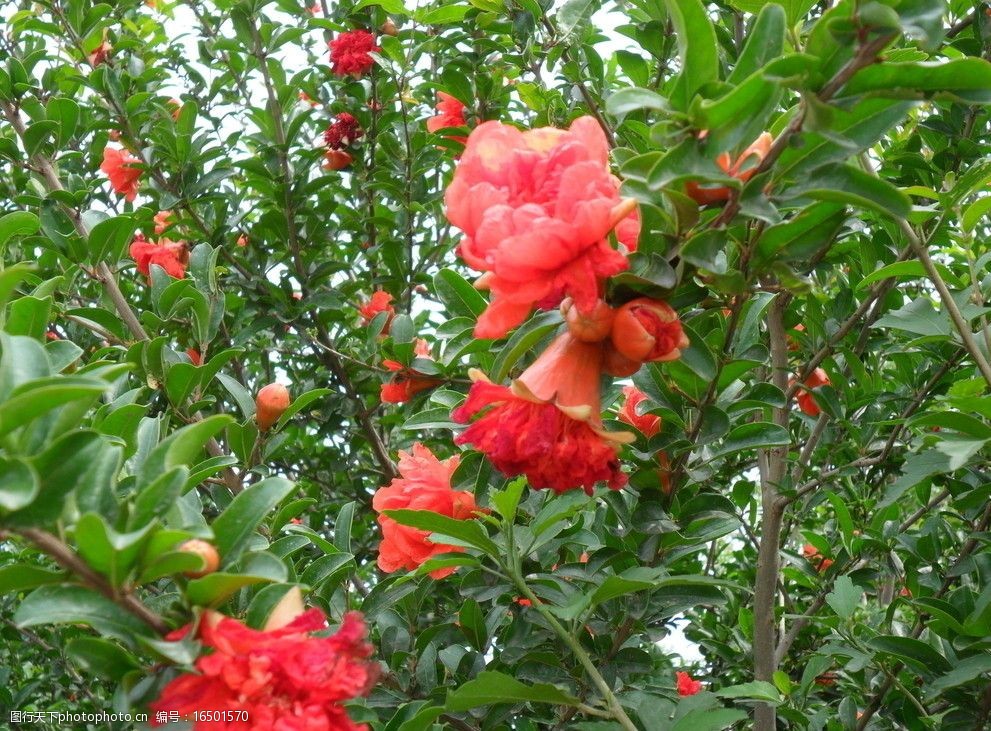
{"x":119,"y":166}
{"x":547,"y":425}
{"x":162,"y":221}
{"x":648,"y":330}
{"x":343,"y":131}
{"x":172,"y":256}
{"x":407,"y":381}
{"x":742,"y":169}
{"x":536,"y":208}
{"x":450,"y":113}
{"x":686,"y":685}
{"x":349,"y":53}
{"x":381,"y":301}
{"x":646,"y":424}
{"x":813,"y":556}
{"x":804,"y":398}
{"x":424,"y":484}
{"x":283,"y":677}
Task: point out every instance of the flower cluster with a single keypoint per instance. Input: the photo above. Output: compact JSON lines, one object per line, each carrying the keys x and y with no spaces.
{"x":283,"y":677}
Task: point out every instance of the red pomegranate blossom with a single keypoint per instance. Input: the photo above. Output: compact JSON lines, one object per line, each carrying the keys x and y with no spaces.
{"x":450,"y":113}
{"x":124,"y":177}
{"x":813,"y":556}
{"x":536,"y":208}
{"x":349,"y":53}
{"x":686,"y":685}
{"x":381,"y":301}
{"x":425,"y":484}
{"x":172,"y":256}
{"x":343,"y":131}
{"x":407,"y":381}
{"x":647,"y":424}
{"x":742,"y":169}
{"x":547,"y":425}
{"x":804,"y":398}
{"x":645,"y":329}
{"x":284,"y":678}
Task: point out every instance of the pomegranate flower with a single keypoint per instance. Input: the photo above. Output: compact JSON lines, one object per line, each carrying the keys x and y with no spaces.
{"x":686,"y":685}
{"x":172,"y":256}
{"x":284,"y":678}
{"x":813,"y":556}
{"x":424,"y":484}
{"x":804,"y":398}
{"x":124,"y":177}
{"x":163,"y":219}
{"x":381,"y":301}
{"x":450,"y":113}
{"x":101,"y":53}
{"x":343,"y":131}
{"x":536,"y":208}
{"x":648,"y":330}
{"x":547,"y":425}
{"x":646,"y":424}
{"x":407,"y":382}
{"x":349,"y":53}
{"x":742,"y":169}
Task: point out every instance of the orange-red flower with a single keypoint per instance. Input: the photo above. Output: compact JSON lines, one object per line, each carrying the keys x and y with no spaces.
{"x":425,"y":484}
{"x":381,"y":301}
{"x":343,"y":131}
{"x":407,"y":382}
{"x":162,"y":221}
{"x":349,"y":53}
{"x":742,"y":169}
{"x":176,"y":106}
{"x":242,"y":240}
{"x":536,"y":208}
{"x":307,"y":99}
{"x":686,"y":685}
{"x":450,"y":113}
{"x":804,"y":398}
{"x":172,"y":256}
{"x":547,"y":425}
{"x":336,"y":160}
{"x":101,"y":53}
{"x":194,"y":356}
{"x":119,"y":166}
{"x":646,"y":424}
{"x":285,"y":678}
{"x":645,"y":329}
{"x":813,"y":556}
{"x":793,"y":343}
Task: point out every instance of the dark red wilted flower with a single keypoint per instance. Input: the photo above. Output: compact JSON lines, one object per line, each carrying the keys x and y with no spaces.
{"x":537,"y":208}
{"x":343,"y":131}
{"x":450,"y":113}
{"x":686,"y":685}
{"x":742,"y":169}
{"x":119,"y":167}
{"x":646,"y":424}
{"x":172,"y":256}
{"x":349,"y":53}
{"x":284,"y":678}
{"x":424,"y":484}
{"x":381,"y":301}
{"x":804,"y":398}
{"x":547,"y":425}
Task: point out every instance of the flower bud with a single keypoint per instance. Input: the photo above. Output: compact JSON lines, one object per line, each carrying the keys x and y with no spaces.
{"x":589,"y":327}
{"x":388,"y":28}
{"x":206,"y":551}
{"x":645,"y":329}
{"x":336,"y":160}
{"x":271,"y":403}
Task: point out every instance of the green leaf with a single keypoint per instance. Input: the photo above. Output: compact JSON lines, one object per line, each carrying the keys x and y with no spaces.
{"x":18,"y":484}
{"x":105,"y":550}
{"x":696,"y":47}
{"x":909,"y":270}
{"x":845,"y":597}
{"x":631,"y":99}
{"x":100,"y":658}
{"x":29,"y":316}
{"x":18,"y":223}
{"x":491,"y":687}
{"x":300,"y":403}
{"x":506,"y":501}
{"x":65,"y":604}
{"x":975,"y":212}
{"x":765,"y":42}
{"x":38,"y":397}
{"x":758,"y":435}
{"x":472,"y":622}
{"x":574,"y":13}
{"x":235,"y":525}
{"x":847,"y":184}
{"x":457,"y":294}
{"x":757,"y":690}
{"x":468,"y":532}
{"x":961,"y":79}
{"x":703,"y":719}
{"x":21,"y":576}
{"x":913,"y":652}
{"x":213,"y":589}
{"x":965,"y":670}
